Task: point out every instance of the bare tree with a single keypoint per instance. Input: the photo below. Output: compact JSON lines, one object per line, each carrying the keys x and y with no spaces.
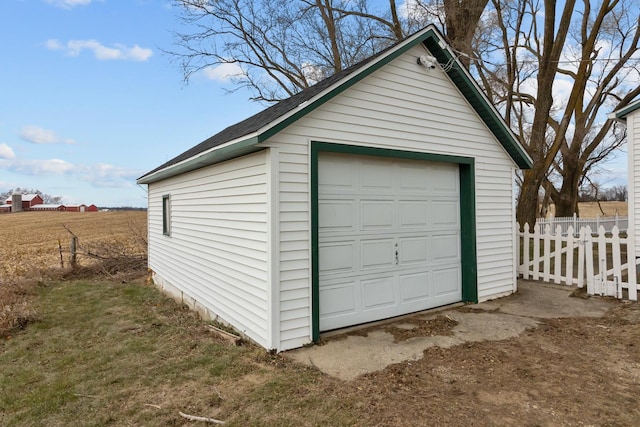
{"x":276,"y":48}
{"x":553,"y":68}
{"x":556,"y":70}
{"x":47,"y":198}
{"x":279,"y":47}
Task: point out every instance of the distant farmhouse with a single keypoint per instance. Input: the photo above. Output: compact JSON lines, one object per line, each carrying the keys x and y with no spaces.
{"x":33,"y":202}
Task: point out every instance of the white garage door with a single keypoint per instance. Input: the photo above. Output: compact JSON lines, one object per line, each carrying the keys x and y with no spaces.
{"x":388,"y":237}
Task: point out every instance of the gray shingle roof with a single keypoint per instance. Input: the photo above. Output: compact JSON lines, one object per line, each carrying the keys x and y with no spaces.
{"x":429,"y":36}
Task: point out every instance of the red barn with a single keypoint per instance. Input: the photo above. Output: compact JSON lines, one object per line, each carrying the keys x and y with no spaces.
{"x":92,"y":208}
{"x":43,"y":207}
{"x":28,"y":201}
{"x":77,"y":208}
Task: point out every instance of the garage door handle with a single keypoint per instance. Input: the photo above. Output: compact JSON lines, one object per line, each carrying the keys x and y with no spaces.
{"x":396,"y":257}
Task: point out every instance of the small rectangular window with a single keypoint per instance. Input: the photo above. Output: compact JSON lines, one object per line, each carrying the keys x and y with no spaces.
{"x":166,"y":215}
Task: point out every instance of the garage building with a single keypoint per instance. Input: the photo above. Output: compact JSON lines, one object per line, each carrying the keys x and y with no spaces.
{"x":385,"y":189}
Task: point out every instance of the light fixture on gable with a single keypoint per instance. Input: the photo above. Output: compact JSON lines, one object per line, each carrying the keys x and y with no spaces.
{"x":427,"y":61}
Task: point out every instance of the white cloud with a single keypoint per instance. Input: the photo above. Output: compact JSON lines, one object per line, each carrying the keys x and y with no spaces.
{"x":223,"y":72}
{"x":37,"y":167}
{"x":38,"y":135}
{"x":105,"y":175}
{"x":6,"y":152}
{"x":100,"y":51}
{"x":98,"y":175}
{"x":68,"y":4}
{"x":53,"y":44}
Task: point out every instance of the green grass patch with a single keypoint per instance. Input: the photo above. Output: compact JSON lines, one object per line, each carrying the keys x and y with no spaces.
{"x":124,"y":354}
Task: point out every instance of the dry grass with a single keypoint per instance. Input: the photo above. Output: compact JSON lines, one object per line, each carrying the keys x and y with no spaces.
{"x":593,"y":209}
{"x":30,"y":240}
{"x":36,"y":248}
{"x":106,"y":353}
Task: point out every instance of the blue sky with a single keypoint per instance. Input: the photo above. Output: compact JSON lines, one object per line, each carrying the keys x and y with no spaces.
{"x":89,"y":102}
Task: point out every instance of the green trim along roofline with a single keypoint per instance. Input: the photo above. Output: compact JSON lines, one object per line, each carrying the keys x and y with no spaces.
{"x":467,"y":216}
{"x":245,"y":137}
{"x":622,"y":113}
{"x":207,"y":158}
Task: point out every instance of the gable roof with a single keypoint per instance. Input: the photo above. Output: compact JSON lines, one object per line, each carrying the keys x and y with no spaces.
{"x":244,"y":137}
{"x":622,"y":113}
{"x":25,"y":197}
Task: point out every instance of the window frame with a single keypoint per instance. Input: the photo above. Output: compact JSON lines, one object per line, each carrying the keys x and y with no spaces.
{"x":166,"y":215}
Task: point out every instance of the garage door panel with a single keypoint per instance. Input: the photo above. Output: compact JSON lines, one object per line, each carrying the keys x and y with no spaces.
{"x":376,"y":215}
{"x":376,"y":175}
{"x":338,"y":257}
{"x":413,"y":250}
{"x":444,"y":178}
{"x":377,"y":253}
{"x":413,"y":179}
{"x":414,"y":287}
{"x":445,"y":213}
{"x":337,"y":175}
{"x":446,"y":248}
{"x":339,"y":299}
{"x":378,"y":292}
{"x":337,"y":215}
{"x":447,"y":281}
{"x":414,"y":214}
{"x":389,"y":238}
{"x":446,"y":285}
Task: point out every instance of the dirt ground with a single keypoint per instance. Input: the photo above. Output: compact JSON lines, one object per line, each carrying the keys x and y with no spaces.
{"x":563,"y":372}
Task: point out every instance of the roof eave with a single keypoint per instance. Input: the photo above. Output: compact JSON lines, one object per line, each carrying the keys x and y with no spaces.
{"x":478,"y":100}
{"x":431,"y":39}
{"x":622,"y":113}
{"x":219,"y":154}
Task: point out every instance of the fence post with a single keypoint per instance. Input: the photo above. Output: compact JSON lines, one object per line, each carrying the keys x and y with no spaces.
{"x":581,"y":256}
{"x":546,"y":262}
{"x":602,"y":260}
{"x":73,"y":245}
{"x":536,"y":252}
{"x":617,"y":264}
{"x":525,"y":251}
{"x":569,"y":257}
{"x":575,"y":221}
{"x":557,"y":261}
{"x":588,"y":258}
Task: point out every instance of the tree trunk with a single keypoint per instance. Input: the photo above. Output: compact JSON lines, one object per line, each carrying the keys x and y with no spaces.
{"x":554,"y":36}
{"x":527,"y":207}
{"x":566,"y":200}
{"x":461,"y":21}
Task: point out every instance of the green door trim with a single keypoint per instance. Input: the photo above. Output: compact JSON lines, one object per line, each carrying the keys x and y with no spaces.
{"x":467,"y":216}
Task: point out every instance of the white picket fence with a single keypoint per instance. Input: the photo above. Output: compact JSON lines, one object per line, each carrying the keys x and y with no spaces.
{"x":622,"y":222}
{"x":598,"y":260}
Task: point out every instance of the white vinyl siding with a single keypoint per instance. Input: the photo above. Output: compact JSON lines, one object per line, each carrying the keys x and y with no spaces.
{"x":217,"y":251}
{"x":402,"y":106}
{"x":633,"y":152}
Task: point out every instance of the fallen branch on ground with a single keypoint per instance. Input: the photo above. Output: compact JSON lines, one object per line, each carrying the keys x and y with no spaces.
{"x":232,"y":338}
{"x":196,"y":418}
